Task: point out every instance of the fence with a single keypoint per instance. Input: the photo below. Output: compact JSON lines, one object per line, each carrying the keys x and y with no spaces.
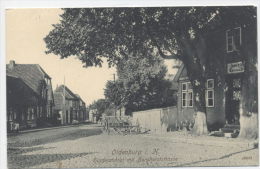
{"x":161,"y":120}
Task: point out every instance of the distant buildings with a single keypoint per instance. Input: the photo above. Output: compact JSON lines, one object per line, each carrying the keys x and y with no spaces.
{"x":30,"y":99}
{"x":31,"y":102}
{"x":93,"y":115}
{"x":69,"y":106}
{"x":82,"y":114}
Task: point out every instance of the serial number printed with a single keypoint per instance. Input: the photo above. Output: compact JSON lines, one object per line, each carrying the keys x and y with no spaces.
{"x":247,"y":158}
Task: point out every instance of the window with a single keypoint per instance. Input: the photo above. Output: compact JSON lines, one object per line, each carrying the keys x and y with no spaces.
{"x":190,"y":100}
{"x":10,"y":115}
{"x":233,"y":39}
{"x":237,"y":90}
{"x":184,"y":86}
{"x":40,"y":111}
{"x":236,"y":83}
{"x":23,"y":116}
{"x":28,"y":114}
{"x":187,"y":95}
{"x":210,"y":93}
{"x":236,"y":95}
{"x":14,"y":113}
{"x":32,"y":115}
{"x":184,"y":98}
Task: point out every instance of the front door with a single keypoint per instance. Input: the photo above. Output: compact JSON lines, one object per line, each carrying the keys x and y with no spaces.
{"x":233,"y":100}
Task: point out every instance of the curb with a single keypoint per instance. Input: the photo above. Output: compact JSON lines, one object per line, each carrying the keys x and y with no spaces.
{"x":42,"y":129}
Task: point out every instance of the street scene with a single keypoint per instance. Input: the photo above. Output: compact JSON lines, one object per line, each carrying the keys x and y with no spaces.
{"x":132,"y":87}
{"x":85,"y":146}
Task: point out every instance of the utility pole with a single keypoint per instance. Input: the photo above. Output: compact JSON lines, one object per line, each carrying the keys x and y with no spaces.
{"x":64,"y":101}
{"x":64,"y":91}
{"x":114,"y":75}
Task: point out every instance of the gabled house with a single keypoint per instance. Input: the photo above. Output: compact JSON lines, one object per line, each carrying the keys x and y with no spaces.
{"x":227,"y":52}
{"x":68,"y":105}
{"x":29,"y":95}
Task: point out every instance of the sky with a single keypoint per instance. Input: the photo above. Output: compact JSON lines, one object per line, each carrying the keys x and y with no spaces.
{"x":25,"y":30}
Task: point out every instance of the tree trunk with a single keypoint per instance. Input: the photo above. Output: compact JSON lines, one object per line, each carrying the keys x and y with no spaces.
{"x":249,"y":103}
{"x":200,"y":125}
{"x":249,"y":126}
{"x":194,"y":61}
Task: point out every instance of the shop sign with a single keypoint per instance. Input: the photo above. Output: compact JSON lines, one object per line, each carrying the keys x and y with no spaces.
{"x":236,"y":67}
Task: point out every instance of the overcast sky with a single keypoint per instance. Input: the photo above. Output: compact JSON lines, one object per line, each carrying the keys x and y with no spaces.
{"x":25,"y":30}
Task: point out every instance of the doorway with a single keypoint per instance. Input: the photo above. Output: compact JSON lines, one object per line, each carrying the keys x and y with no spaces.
{"x":233,"y":97}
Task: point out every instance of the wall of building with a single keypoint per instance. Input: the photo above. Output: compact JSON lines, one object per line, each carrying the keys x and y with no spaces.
{"x":184,"y":113}
{"x":215,"y":115}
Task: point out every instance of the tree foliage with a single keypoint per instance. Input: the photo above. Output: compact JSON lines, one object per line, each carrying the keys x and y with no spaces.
{"x":114,"y":92}
{"x":101,"y":105}
{"x":119,"y":34}
{"x":141,"y":85}
{"x":113,"y":33}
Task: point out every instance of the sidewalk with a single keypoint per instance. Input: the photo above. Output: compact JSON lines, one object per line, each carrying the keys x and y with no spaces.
{"x":45,"y":128}
{"x":185,"y":137}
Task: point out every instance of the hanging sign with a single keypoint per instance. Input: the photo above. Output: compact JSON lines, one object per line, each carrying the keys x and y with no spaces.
{"x":236,"y":67}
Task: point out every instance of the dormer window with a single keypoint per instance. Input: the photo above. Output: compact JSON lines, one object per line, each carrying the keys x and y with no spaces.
{"x":233,"y":39}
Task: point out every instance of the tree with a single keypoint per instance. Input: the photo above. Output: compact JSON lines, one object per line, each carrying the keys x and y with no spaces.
{"x":141,"y":85}
{"x":101,"y":105}
{"x":119,"y":33}
{"x":114,"y":92}
{"x":249,"y":97}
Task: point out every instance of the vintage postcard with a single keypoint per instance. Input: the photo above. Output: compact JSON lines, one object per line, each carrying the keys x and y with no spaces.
{"x":168,"y":86}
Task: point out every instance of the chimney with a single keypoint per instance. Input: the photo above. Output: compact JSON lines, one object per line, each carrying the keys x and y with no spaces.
{"x":57,"y":86}
{"x":11,"y":64}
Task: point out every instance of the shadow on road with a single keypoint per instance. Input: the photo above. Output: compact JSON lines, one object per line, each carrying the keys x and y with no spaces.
{"x":27,"y":161}
{"x":30,"y":140}
{"x":20,"y":144}
{"x":17,"y":151}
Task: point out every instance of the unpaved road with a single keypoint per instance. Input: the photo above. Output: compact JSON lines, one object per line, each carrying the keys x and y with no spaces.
{"x":86,"y":146}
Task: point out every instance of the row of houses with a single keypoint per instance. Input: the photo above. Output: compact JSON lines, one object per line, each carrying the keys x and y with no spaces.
{"x":31,"y":101}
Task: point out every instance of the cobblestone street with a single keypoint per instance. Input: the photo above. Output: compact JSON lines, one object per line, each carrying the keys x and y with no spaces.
{"x":86,"y":146}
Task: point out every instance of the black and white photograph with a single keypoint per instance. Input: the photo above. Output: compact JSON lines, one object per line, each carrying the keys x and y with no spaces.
{"x":117,"y":87}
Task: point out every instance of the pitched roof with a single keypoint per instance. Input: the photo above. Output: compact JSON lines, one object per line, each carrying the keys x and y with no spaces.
{"x":31,"y":74}
{"x":17,"y":92}
{"x":79,"y":98}
{"x":68,"y":93}
{"x":174,"y":85}
{"x":178,"y":74}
